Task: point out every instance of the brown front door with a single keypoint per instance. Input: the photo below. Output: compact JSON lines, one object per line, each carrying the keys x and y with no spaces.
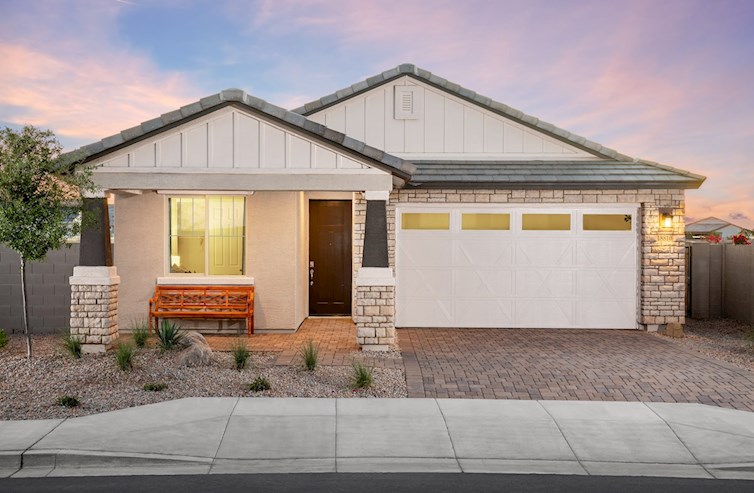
{"x":329,"y":257}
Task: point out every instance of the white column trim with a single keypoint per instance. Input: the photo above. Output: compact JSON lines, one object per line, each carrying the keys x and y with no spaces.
{"x":375,"y":276}
{"x":377,"y":195}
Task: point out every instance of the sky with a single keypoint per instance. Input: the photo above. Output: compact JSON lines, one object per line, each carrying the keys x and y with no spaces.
{"x":666,"y":80}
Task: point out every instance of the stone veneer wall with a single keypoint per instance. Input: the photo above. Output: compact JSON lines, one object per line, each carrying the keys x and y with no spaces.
{"x":94,"y":314}
{"x":374,"y":313}
{"x":662,"y":260}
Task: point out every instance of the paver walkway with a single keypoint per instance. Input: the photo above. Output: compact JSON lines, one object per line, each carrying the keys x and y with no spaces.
{"x":598,"y":365}
{"x":334,"y":336}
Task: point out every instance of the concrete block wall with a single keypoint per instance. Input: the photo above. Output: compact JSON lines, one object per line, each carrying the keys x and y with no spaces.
{"x":662,"y":287}
{"x":49,"y":294}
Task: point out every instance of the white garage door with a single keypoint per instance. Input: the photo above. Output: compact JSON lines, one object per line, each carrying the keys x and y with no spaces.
{"x":463,"y":266}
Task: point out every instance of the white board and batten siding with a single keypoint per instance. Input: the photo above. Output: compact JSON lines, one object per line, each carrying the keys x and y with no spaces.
{"x":414,"y":120}
{"x":232,"y":139}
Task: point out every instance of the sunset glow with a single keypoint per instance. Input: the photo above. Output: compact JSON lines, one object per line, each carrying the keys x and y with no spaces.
{"x":666,"y":81}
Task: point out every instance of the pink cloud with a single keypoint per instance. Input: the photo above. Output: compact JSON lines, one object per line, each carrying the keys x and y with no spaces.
{"x":85,"y":98}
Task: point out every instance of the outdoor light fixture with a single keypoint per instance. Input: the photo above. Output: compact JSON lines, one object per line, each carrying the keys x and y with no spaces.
{"x":666,"y":218}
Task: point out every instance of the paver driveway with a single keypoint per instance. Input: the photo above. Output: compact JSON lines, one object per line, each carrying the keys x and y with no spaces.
{"x":608,"y":365}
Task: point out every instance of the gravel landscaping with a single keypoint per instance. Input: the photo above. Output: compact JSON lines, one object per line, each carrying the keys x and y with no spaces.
{"x":29,"y":390}
{"x":721,"y":339}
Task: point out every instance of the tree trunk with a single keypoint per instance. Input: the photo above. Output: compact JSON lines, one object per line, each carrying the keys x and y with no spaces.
{"x":26,"y":308}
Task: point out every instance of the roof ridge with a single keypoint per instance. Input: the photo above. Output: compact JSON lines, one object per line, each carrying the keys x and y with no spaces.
{"x":228,"y":96}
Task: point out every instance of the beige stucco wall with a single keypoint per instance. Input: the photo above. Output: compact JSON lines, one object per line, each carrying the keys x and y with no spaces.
{"x":139,"y":253}
{"x":274,"y":259}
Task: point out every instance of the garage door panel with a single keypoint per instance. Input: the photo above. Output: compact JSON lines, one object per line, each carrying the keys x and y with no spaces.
{"x":483,"y":283}
{"x":426,"y":283}
{"x":607,"y":314}
{"x":484,"y":313}
{"x":482,"y":252}
{"x":545,"y":283}
{"x":426,"y":252}
{"x":607,"y":252}
{"x":426,"y":313}
{"x":545,"y":252}
{"x":538,"y":313}
{"x":606,"y":284}
{"x":514,"y":278}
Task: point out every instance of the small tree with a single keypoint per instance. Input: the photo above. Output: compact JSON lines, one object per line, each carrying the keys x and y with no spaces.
{"x":40,"y":192}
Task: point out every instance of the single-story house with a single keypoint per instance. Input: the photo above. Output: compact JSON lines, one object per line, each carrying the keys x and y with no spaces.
{"x":404,"y":200}
{"x":711,"y":225}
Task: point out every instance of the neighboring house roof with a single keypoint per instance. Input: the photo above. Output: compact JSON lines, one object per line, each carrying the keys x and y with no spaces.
{"x":709,"y":225}
{"x":556,"y":173}
{"x":240,"y":98}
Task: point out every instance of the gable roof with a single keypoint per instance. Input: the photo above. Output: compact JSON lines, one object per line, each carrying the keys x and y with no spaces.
{"x":237,"y":97}
{"x":709,"y":224}
{"x":655,"y":174}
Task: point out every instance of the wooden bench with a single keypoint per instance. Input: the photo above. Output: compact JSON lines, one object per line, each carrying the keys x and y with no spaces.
{"x":202,"y":302}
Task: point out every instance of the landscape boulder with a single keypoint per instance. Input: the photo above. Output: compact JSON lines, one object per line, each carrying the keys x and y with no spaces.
{"x":674,"y":329}
{"x":197,"y":352}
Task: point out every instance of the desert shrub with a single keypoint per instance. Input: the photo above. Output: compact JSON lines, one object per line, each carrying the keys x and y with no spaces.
{"x":3,"y":339}
{"x":309,"y":355}
{"x":155,"y":386}
{"x":362,"y":376}
{"x":140,"y":332}
{"x":240,"y":355}
{"x":124,"y":354}
{"x":67,"y":401}
{"x":169,"y":335}
{"x":259,"y":384}
{"x":72,"y":344}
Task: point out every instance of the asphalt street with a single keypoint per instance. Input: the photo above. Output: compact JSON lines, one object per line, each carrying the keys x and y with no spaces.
{"x":372,"y":483}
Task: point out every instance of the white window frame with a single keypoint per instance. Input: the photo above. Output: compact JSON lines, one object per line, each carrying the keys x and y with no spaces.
{"x":166,"y":235}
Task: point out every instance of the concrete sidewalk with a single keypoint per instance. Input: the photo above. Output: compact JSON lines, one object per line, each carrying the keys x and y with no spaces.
{"x":258,"y":435}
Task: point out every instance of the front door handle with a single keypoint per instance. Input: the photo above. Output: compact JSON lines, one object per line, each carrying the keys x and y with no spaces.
{"x":311,"y":276}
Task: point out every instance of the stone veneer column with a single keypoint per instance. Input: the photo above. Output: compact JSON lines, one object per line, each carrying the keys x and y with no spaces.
{"x":94,"y":284}
{"x":94,"y":307}
{"x":375,"y":283}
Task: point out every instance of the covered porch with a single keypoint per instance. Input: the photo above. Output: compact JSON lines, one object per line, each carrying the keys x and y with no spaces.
{"x":226,"y":196}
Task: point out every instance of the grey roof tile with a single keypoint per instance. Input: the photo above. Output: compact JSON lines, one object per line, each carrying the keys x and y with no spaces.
{"x":113,"y":140}
{"x":374,"y":80}
{"x":151,"y":125}
{"x":254,"y":102}
{"x":171,"y":116}
{"x":360,"y":86}
{"x":232,"y":95}
{"x":210,"y":101}
{"x":345,"y":92}
{"x":191,"y":109}
{"x":132,"y":133}
{"x":393,"y":72}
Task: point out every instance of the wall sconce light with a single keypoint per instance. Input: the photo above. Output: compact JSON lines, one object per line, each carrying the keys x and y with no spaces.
{"x":666,"y":218}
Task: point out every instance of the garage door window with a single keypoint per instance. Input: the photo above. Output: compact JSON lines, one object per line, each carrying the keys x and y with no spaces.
{"x":546,"y":222}
{"x":425,"y":220}
{"x":486,"y":222}
{"x":607,"y":222}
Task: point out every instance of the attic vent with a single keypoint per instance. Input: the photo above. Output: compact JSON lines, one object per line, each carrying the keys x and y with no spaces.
{"x":407,"y":102}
